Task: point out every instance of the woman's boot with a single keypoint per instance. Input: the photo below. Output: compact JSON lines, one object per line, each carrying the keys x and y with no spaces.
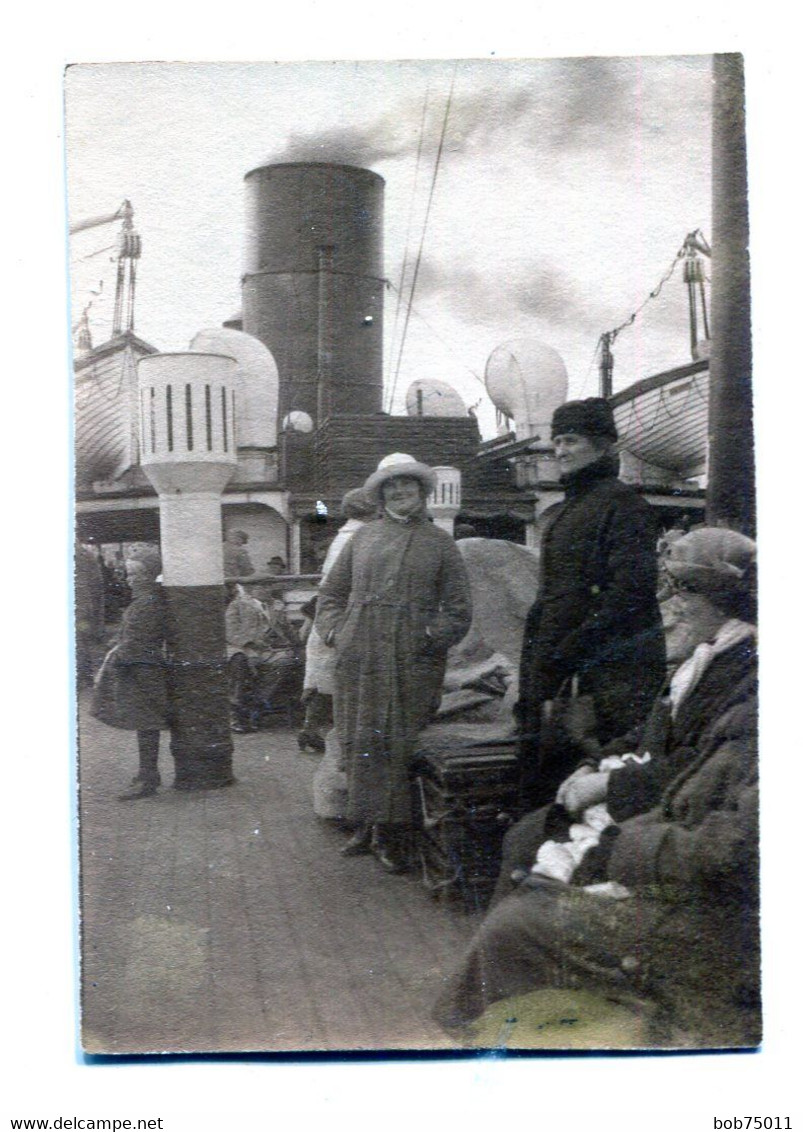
{"x":359,"y":842}
{"x":143,"y":789}
{"x":147,"y":780}
{"x":391,"y":849}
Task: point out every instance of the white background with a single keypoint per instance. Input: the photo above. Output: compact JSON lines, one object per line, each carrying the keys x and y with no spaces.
{"x":43,"y":1070}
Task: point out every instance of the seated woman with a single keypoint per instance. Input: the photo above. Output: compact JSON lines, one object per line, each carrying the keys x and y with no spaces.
{"x":629,"y":773}
{"x":663,"y":909}
{"x":245,"y":628}
{"x":264,"y":654}
{"x":280,"y":667}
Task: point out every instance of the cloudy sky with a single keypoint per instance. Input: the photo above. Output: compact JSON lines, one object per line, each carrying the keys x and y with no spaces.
{"x":564,"y":190}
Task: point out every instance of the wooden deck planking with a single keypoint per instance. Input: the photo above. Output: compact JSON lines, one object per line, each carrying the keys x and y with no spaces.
{"x":362,"y":976}
{"x":281,"y":983}
{"x":228,"y":920}
{"x":321,"y":949}
{"x":337,"y":946}
{"x":111,"y":859}
{"x":388,"y":931}
{"x":401,"y":957}
{"x":234,"y":964}
{"x":156,"y":966}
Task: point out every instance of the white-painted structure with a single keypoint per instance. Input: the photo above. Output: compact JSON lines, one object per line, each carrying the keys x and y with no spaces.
{"x":257,"y":383}
{"x":526,"y":380}
{"x":444,"y":503}
{"x":429,"y":397}
{"x":189,"y":453}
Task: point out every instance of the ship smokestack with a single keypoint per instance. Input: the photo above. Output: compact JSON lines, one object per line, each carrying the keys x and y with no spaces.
{"x":313,"y":284}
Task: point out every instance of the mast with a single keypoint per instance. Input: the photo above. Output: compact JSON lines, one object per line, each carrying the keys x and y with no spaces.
{"x":606,"y":365}
{"x":129,"y":250}
{"x":694,"y":278}
{"x":731,"y":463}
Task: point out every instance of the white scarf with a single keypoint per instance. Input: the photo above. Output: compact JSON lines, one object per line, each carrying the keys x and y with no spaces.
{"x":688,"y":674}
{"x":404,"y":519}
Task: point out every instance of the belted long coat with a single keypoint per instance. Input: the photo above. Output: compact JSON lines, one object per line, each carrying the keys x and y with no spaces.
{"x":395,"y":601}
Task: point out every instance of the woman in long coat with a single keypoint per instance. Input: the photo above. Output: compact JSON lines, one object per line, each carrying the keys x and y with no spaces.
{"x":131,"y":688}
{"x":394,"y":602}
{"x":596,"y":615}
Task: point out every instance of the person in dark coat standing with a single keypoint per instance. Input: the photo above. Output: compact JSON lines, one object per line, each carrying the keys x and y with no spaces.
{"x":395,"y":600}
{"x":131,"y":690}
{"x":89,"y":611}
{"x":663,"y":910}
{"x":596,"y":616}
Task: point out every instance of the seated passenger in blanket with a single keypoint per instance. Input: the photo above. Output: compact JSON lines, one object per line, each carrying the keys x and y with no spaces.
{"x":642,"y":876}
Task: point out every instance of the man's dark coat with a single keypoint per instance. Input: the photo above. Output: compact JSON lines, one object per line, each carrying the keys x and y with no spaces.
{"x":596,"y":616}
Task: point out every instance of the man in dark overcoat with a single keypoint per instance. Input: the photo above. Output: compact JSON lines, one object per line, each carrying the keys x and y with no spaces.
{"x":596,"y":616}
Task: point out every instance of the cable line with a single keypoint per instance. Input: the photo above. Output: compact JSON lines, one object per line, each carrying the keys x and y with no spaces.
{"x":423,"y":234}
{"x":407,"y":237}
{"x":442,"y":340}
{"x":100,"y":251}
{"x":694,"y":242}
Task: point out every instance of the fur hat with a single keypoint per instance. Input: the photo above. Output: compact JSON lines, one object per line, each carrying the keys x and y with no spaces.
{"x":398,"y":464}
{"x":714,"y":562}
{"x":592,"y":417}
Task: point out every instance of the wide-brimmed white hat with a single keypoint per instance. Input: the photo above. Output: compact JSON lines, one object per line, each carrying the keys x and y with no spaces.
{"x":398,"y":464}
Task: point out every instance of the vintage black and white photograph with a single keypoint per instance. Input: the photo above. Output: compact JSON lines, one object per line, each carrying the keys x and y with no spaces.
{"x":415,"y":560}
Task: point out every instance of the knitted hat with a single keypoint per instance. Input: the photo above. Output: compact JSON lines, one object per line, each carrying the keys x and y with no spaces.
{"x":398,"y":464}
{"x":592,"y":417}
{"x":713,"y":561}
{"x":355,"y":504}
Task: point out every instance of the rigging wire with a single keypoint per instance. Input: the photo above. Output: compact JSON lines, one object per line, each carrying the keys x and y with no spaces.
{"x":442,"y":340}
{"x":654,"y":293}
{"x":407,"y":237}
{"x":590,"y":367}
{"x":683,"y":251}
{"x":423,"y":234}
{"x":100,"y":251}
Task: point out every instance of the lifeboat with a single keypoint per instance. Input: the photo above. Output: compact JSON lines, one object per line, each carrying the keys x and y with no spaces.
{"x":663,"y":420}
